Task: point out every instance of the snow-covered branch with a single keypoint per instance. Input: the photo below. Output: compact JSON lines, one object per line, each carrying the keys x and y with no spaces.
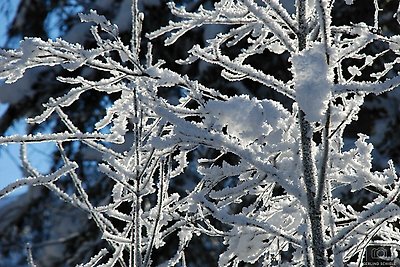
{"x":266,"y":176}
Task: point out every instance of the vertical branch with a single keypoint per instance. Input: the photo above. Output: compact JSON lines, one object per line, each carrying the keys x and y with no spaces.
{"x":325,"y":159}
{"x":306,"y":130}
{"x":314,"y":211}
{"x":337,"y":254}
{"x":306,"y":252}
{"x":325,"y":22}
{"x":376,"y":15}
{"x":307,"y":158}
{"x":398,"y":14}
{"x":135,"y":252}
{"x":302,"y":22}
{"x":31,"y":262}
{"x":136,"y":28}
{"x":160,"y":198}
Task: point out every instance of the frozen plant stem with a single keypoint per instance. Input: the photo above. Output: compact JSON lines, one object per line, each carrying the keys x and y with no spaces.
{"x":136,"y":235}
{"x":135,"y":253}
{"x":136,"y":28}
{"x":314,"y":211}
{"x":306,"y":130}
{"x":325,"y":158}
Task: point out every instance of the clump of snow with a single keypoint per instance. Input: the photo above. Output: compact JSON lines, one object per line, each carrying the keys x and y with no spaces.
{"x":312,"y":81}
{"x":395,"y":40}
{"x":248,"y":120}
{"x":349,"y":2}
{"x":353,"y":70}
{"x":248,"y":244}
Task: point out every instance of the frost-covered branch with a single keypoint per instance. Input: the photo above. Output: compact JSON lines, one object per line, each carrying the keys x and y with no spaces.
{"x":38,"y":138}
{"x":266,"y":176}
{"x":41,"y":180}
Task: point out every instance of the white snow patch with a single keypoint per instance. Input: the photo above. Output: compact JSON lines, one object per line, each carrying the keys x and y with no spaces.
{"x":248,"y":244}
{"x":354,"y":71}
{"x":313,"y":81}
{"x":246,"y":119}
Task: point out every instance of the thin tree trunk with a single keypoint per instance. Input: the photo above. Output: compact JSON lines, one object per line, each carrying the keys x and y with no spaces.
{"x":314,"y":211}
{"x":309,"y":173}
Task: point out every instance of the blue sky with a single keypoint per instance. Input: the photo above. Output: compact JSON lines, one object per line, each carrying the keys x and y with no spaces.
{"x":39,"y":155}
{"x":10,"y":169}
